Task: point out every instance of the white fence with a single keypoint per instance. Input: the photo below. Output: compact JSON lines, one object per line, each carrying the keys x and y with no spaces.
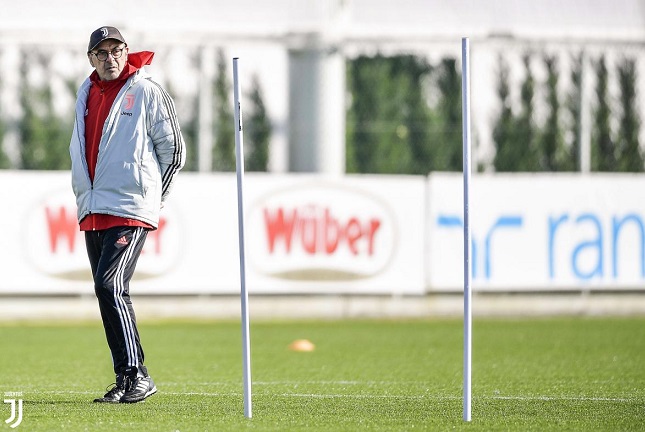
{"x":348,"y":235}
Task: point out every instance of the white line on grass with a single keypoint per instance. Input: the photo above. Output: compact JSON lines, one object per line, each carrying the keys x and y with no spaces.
{"x":437,"y":397}
{"x":303,"y":382}
{"x":560,"y":398}
{"x":374,"y":396}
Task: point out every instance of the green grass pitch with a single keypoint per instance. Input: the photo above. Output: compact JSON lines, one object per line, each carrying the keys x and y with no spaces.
{"x":398,"y":375}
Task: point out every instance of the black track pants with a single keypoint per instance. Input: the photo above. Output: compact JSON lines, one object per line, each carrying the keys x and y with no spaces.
{"x":113,"y":256}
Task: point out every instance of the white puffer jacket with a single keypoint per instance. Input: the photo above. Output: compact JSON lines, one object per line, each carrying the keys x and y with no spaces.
{"x":140,"y":152}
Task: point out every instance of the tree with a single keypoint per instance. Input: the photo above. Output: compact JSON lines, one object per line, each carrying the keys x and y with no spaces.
{"x":4,"y":160}
{"x":190,"y":132}
{"x":630,"y":155}
{"x":603,"y":147}
{"x":258,"y":131}
{"x":448,"y":154}
{"x":526,"y":132}
{"x":508,"y":153}
{"x":189,"y":126}
{"x":517,"y":138}
{"x":554,"y":155}
{"x":361,"y":137}
{"x":416,"y":125}
{"x":574,"y":108}
{"x":389,"y":121}
{"x":224,"y":133}
{"x":44,"y":136}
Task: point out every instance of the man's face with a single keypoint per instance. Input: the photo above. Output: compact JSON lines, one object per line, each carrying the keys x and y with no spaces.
{"x":111,"y":68}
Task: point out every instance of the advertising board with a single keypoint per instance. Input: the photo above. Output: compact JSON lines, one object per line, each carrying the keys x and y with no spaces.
{"x":538,"y":232}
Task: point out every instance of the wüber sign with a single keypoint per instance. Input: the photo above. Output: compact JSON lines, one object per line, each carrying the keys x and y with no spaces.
{"x":304,"y":234}
{"x":320,"y":232}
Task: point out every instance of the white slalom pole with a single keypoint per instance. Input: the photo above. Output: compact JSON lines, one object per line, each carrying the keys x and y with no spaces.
{"x":468,"y":311}
{"x":239,"y":166}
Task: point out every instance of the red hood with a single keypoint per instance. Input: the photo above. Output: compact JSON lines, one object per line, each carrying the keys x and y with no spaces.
{"x":140,"y":59}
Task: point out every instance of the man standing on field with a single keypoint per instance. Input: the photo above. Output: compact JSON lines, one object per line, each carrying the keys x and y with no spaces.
{"x":126,"y":149}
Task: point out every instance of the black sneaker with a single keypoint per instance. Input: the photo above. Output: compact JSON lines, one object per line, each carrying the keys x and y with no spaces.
{"x":137,"y":388}
{"x":114,"y":393}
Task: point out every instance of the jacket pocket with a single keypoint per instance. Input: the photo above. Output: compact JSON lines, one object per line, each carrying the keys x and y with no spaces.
{"x":123,"y":178}
{"x":150,"y":177}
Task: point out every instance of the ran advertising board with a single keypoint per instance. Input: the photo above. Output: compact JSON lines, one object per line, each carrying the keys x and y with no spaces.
{"x":538,"y":232}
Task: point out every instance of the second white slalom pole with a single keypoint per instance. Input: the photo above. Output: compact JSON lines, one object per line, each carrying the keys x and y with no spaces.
{"x":465,"y":95}
{"x":244,"y":296}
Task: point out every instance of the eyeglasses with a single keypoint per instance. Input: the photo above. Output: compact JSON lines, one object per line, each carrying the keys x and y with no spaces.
{"x":102,"y":55}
